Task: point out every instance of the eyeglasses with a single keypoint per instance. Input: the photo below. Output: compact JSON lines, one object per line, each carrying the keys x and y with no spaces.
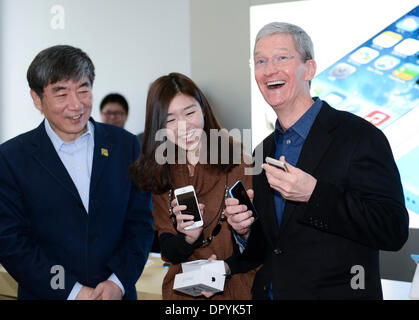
{"x":117,"y":114}
{"x":277,"y":60}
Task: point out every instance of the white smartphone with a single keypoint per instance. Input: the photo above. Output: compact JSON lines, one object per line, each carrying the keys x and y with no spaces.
{"x":276,"y":163}
{"x":186,"y":196}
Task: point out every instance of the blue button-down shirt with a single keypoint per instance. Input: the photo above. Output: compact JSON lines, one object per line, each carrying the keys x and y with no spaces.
{"x":289,"y":143}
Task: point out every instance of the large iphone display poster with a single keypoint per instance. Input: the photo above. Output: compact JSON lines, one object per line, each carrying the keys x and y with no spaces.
{"x":368,"y":64}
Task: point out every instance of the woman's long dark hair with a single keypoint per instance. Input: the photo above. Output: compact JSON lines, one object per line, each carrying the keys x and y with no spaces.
{"x":146,"y":173}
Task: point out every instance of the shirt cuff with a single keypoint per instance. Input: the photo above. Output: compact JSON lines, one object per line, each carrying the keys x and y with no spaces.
{"x":75,"y":291}
{"x":240,"y":241}
{"x":115,"y":279}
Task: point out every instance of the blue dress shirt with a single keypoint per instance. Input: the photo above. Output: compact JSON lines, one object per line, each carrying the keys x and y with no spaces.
{"x":289,"y":144}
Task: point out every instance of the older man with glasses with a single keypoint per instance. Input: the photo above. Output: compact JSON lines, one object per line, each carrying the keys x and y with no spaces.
{"x":323,"y":221}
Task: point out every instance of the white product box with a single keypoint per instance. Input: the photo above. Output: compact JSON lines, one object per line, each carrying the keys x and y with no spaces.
{"x":214,"y":266}
{"x":200,"y":275}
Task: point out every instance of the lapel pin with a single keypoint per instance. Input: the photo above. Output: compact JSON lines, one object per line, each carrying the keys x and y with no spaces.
{"x":104,"y":152}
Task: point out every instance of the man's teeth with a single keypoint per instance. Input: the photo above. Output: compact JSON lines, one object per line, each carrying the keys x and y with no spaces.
{"x":76,"y":117}
{"x":274,"y":83}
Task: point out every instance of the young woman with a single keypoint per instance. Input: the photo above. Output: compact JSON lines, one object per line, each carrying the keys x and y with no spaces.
{"x":179,"y":120}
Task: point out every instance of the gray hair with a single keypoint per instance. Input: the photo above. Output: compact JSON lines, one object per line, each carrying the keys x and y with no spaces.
{"x":57,"y":63}
{"x":302,"y":40}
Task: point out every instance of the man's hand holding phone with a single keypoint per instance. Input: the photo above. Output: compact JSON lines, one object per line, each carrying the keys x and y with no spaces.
{"x":185,"y":220}
{"x":239,"y":216}
{"x":293,"y":184}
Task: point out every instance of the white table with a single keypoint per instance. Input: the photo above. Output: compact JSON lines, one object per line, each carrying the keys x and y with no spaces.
{"x":395,"y":290}
{"x":154,"y":273}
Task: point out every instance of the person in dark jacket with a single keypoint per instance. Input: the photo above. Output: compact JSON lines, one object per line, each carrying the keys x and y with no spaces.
{"x":72,"y":224}
{"x":323,"y":220}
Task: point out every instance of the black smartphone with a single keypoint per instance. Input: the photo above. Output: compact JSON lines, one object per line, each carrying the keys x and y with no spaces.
{"x":238,"y":191}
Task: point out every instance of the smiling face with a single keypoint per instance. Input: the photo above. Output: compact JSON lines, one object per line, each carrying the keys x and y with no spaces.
{"x":281,"y":74}
{"x":185,"y":121}
{"x":67,"y":104}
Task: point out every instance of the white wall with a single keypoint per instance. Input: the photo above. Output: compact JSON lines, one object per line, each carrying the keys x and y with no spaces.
{"x":220,"y":53}
{"x":131,"y":43}
{"x":220,"y":58}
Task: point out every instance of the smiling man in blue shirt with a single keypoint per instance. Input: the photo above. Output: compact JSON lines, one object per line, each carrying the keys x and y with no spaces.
{"x":289,"y":144}
{"x":340,"y":201}
{"x":66,"y":199}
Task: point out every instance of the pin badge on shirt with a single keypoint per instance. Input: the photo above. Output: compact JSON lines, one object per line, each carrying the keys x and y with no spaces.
{"x":104,"y":152}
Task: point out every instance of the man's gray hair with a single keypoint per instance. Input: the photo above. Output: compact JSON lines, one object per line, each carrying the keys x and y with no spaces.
{"x":302,"y":40}
{"x":58,"y":63}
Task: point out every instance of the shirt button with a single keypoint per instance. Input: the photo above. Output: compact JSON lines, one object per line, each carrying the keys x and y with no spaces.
{"x":277,"y":251}
{"x":288,"y":141}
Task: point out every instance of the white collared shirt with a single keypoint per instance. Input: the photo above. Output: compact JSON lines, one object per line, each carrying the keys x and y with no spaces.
{"x":77,"y":158}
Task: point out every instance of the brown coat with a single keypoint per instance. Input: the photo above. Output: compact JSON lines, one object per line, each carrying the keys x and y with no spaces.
{"x":209,"y":187}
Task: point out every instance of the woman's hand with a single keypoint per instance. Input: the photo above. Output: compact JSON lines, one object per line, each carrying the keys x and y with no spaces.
{"x":184,"y":220}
